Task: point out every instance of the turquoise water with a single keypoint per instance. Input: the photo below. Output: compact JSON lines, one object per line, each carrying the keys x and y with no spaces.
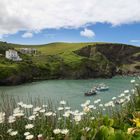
{"x":69,"y":90}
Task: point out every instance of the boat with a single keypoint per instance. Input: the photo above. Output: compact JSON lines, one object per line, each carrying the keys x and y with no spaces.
{"x":91,"y":92}
{"x":102,"y":87}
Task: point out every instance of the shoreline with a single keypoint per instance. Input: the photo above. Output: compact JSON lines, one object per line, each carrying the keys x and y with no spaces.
{"x":41,"y":79}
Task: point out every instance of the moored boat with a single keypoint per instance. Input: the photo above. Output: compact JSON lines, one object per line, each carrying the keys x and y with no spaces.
{"x":90,"y":93}
{"x":102,"y":87}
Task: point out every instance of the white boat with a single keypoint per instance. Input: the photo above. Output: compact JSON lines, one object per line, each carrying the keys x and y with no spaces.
{"x":102,"y":87}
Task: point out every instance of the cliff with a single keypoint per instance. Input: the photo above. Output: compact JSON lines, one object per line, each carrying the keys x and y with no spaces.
{"x":70,"y":61}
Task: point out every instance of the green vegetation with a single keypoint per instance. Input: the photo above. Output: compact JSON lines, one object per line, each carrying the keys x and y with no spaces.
{"x":54,"y":48}
{"x":69,"y":61}
{"x":38,"y":121}
{"x":4,"y":46}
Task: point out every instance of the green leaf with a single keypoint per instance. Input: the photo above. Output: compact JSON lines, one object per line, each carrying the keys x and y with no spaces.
{"x":111,"y":122}
{"x":102,"y":133}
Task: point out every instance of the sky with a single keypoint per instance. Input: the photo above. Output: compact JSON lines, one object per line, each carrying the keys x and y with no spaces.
{"x":46,"y":21}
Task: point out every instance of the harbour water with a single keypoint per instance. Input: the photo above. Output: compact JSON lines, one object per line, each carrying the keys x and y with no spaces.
{"x":69,"y":90}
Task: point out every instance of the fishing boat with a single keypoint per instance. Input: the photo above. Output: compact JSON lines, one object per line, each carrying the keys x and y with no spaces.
{"x":102,"y":87}
{"x":91,"y":92}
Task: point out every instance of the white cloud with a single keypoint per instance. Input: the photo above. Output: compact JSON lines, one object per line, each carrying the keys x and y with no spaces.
{"x":36,"y":15}
{"x":27,"y":35}
{"x":134,"y":40}
{"x":87,"y":33}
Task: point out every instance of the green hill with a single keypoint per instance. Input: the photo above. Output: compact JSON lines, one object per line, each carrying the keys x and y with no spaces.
{"x":54,"y":48}
{"x":69,"y":61}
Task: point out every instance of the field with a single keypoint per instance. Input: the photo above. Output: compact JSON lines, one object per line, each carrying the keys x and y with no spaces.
{"x":54,"y":48}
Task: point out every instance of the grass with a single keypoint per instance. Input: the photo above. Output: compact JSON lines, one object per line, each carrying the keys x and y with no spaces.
{"x":55,"y":48}
{"x":60,"y":47}
{"x":36,"y":120}
{"x":130,"y":67}
{"x":6,"y":70}
{"x":69,"y":60}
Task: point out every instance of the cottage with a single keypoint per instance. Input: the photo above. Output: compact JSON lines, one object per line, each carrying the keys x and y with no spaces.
{"x":28,"y":50}
{"x":12,"y":55}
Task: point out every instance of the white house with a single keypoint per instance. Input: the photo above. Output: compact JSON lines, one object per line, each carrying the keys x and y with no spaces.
{"x":12,"y":55}
{"x":28,"y":50}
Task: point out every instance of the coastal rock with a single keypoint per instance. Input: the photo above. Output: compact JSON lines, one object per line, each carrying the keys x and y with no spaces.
{"x":100,"y":60}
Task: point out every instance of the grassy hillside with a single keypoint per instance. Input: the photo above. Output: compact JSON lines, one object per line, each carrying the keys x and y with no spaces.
{"x":70,"y":60}
{"x":60,"y":47}
{"x":4,"y":46}
{"x":54,"y":48}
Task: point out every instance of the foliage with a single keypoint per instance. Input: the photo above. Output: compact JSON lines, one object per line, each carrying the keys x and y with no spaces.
{"x":69,"y":61}
{"x":34,"y":120}
{"x":4,"y":47}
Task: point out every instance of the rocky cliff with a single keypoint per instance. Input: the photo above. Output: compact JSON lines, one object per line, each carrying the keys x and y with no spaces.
{"x":90,"y":61}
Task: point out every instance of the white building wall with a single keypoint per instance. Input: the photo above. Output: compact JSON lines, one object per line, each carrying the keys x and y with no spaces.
{"x":12,"y":55}
{"x":8,"y":55}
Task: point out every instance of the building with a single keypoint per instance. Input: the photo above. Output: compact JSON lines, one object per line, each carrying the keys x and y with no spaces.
{"x":28,"y":50}
{"x":1,"y":55}
{"x":12,"y":55}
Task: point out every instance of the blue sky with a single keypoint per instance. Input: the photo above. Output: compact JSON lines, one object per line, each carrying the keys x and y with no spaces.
{"x":128,"y":33}
{"x":45,"y":21}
